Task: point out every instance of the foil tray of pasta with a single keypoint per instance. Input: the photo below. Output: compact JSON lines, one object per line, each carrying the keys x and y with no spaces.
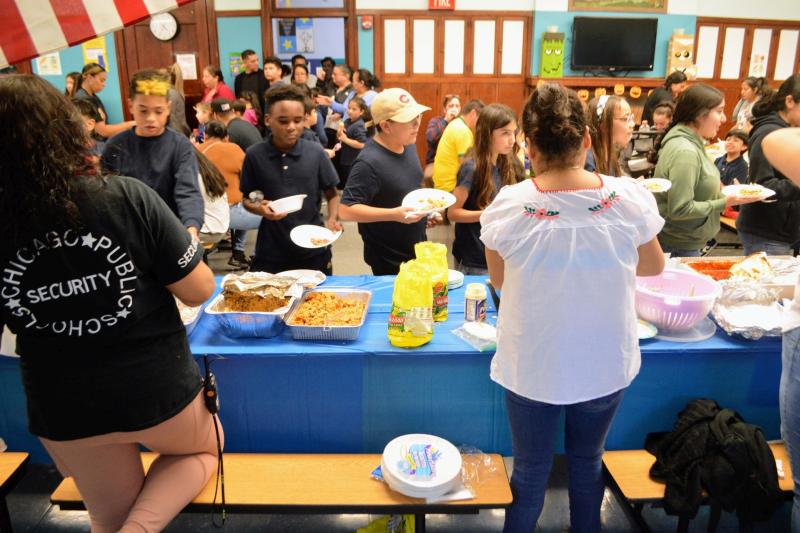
{"x":334,"y":314}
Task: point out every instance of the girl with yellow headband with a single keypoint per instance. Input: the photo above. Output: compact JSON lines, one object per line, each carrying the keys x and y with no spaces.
{"x":159,"y":156}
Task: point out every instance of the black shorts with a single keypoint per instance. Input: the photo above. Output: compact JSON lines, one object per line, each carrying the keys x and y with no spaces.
{"x":321,"y":262}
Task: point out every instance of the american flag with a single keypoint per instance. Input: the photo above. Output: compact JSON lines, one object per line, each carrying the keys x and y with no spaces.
{"x":35,"y":27}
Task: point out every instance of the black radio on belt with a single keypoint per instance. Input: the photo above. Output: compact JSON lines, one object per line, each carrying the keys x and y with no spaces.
{"x":210,"y":395}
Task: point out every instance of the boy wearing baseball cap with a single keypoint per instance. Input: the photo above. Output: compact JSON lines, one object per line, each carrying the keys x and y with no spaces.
{"x":240,"y":131}
{"x":385,"y":171}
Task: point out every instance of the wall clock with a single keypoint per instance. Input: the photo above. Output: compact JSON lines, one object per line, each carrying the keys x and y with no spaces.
{"x":163,"y":26}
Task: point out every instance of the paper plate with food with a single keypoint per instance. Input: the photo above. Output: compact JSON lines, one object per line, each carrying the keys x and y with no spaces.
{"x":656,"y":185}
{"x":310,"y":236}
{"x":426,"y":201}
{"x":749,"y":190}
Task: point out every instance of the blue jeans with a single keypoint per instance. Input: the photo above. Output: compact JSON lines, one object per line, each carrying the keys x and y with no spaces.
{"x":790,"y":412}
{"x":241,"y":221}
{"x":533,"y":436}
{"x":678,"y":252}
{"x":755,"y":243}
{"x":471,"y":271}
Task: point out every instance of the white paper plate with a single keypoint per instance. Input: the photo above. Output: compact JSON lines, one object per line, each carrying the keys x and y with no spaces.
{"x":302,"y":236}
{"x":447,"y":466}
{"x":307,"y":278}
{"x":428,"y":200}
{"x":289,"y":204}
{"x":646,"y":330}
{"x":657,"y":185}
{"x":455,"y":279}
{"x":749,"y":191}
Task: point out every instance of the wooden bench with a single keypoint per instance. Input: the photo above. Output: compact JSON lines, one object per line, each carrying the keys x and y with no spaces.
{"x":317,"y":484}
{"x":628,"y":475}
{"x":12,"y":468}
{"x":728,"y":223}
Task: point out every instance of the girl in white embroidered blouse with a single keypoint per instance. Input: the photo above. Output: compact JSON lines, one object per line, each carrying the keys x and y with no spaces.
{"x":575,"y":240}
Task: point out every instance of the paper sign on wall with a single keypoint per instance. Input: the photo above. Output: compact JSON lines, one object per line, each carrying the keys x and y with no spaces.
{"x":235,"y":63}
{"x":188,"y":65}
{"x":94,"y":51}
{"x":295,"y":35}
{"x":49,"y":65}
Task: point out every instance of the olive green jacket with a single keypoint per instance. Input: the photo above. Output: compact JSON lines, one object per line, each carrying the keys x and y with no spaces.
{"x":692,"y":207}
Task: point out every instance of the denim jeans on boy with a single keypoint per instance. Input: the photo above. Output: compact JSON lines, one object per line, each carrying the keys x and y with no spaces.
{"x":755,"y":243}
{"x":534,"y":427}
{"x":790,"y":412}
{"x":241,"y":221}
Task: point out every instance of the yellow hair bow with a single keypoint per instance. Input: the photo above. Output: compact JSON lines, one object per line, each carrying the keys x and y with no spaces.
{"x":152,"y":87}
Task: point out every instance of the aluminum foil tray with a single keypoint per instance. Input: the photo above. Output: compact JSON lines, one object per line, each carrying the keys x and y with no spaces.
{"x":253,"y":324}
{"x":330,"y":333}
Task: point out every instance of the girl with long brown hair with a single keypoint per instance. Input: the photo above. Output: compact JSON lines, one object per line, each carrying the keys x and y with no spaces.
{"x":491,"y":164}
{"x":113,"y":258}
{"x":610,"y":126}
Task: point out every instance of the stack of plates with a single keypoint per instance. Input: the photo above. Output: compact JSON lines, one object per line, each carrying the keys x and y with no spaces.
{"x":455,"y":279}
{"x":421,"y":466}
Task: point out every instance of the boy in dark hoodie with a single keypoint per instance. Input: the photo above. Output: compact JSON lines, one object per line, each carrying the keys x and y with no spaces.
{"x":772,"y":227}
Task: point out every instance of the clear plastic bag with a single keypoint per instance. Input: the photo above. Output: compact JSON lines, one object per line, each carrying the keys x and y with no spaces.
{"x":475,"y":467}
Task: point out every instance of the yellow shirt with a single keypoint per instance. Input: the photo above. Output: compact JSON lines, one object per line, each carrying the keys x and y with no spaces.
{"x":456,"y":140}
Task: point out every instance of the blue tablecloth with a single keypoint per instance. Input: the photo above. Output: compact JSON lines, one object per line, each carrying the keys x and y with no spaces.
{"x":281,"y":395}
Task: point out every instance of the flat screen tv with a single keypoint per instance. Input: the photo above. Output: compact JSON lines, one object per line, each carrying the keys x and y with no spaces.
{"x":612,"y":44}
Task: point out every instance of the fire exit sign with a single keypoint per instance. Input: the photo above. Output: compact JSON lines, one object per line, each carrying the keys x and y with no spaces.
{"x":443,"y":5}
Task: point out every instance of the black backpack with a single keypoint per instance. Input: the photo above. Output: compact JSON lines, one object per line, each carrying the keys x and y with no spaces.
{"x":739,"y":472}
{"x":713,"y":449}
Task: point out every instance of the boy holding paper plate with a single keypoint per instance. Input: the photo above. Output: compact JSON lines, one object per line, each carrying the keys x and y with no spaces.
{"x":282,"y":166}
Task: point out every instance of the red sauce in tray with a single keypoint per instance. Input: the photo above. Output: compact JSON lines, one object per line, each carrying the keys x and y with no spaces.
{"x":716,"y":269}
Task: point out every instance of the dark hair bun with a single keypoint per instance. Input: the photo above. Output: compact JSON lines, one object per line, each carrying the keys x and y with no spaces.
{"x":554,"y":121}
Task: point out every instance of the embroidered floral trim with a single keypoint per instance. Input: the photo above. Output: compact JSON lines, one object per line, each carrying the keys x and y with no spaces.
{"x":605,"y":203}
{"x":540,"y":212}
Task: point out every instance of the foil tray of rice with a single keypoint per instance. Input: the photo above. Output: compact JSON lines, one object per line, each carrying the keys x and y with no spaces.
{"x":253,"y":304}
{"x":335,"y":314}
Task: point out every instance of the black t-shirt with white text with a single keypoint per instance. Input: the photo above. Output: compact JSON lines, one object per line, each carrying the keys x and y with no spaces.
{"x":101,"y":342}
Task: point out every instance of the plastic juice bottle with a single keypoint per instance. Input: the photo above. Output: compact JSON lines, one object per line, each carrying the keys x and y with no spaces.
{"x":475,"y":303}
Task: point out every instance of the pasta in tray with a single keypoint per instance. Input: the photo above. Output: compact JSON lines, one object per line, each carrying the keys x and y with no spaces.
{"x":328,"y":309}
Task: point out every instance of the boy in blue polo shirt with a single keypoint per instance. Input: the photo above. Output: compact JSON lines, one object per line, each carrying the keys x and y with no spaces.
{"x":732,"y":166}
{"x":285,"y":165}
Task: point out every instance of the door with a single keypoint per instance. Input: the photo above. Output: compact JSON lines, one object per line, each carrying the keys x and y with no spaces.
{"x":138,"y":49}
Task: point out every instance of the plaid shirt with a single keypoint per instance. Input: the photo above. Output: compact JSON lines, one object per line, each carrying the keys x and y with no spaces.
{"x":433,"y":133}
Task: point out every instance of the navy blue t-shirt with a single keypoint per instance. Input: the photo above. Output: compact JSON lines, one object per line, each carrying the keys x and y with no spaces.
{"x":730,"y":170}
{"x":167,"y":163}
{"x":467,"y":246}
{"x":305,"y":169}
{"x":356,"y":131}
{"x":382,"y":178}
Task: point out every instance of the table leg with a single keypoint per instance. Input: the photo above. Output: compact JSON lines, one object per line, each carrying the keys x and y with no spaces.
{"x":5,"y":519}
{"x":419,"y":523}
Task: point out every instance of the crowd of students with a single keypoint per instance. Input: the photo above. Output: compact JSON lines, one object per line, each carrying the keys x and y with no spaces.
{"x":573,"y":232}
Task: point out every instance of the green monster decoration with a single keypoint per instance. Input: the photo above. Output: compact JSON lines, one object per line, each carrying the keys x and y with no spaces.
{"x":552,"y":55}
